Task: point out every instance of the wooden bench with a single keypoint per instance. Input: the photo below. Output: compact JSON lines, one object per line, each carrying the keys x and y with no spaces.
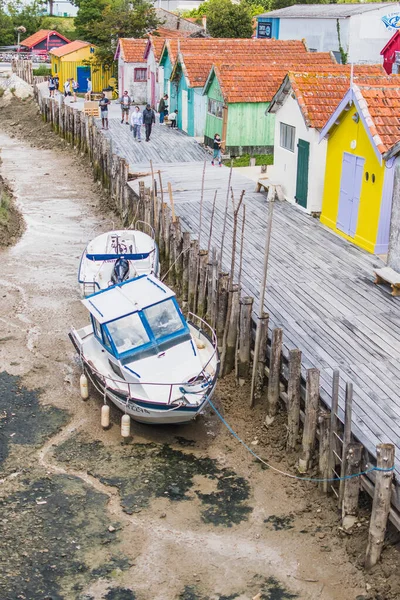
{"x":266,"y":183}
{"x":388,"y":275}
{"x":91,"y":108}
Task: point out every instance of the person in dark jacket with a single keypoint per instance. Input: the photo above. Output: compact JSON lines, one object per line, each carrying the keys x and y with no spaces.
{"x":149,"y":118}
{"x":163,"y":108}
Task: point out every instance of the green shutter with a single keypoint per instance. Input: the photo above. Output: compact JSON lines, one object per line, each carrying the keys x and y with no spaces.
{"x":303,"y":154}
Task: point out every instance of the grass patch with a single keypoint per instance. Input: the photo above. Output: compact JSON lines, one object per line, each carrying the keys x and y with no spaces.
{"x":5,"y":202}
{"x":42,"y":70}
{"x":244,"y":161}
{"x":1,"y":92}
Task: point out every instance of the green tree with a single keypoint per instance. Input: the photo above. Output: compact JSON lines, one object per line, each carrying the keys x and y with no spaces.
{"x":29,"y":15}
{"x":7,"y":34}
{"x":90,"y":13}
{"x":228,"y":20}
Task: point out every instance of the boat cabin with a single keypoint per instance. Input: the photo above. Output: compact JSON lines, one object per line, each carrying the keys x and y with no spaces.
{"x":137,"y":319}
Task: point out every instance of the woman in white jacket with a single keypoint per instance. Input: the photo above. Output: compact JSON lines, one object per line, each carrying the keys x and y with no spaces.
{"x":136,"y":123}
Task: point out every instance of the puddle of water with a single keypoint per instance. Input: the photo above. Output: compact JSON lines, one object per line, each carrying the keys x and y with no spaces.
{"x":23,"y":420}
{"x":145,"y":471}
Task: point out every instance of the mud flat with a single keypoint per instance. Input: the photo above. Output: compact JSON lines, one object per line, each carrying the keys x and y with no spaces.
{"x":178,"y":513}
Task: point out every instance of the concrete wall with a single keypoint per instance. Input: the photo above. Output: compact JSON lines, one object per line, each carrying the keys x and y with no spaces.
{"x":320,"y":34}
{"x":368,"y":35}
{"x":284,"y":169}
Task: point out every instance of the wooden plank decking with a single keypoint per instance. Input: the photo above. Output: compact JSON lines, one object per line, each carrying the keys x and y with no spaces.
{"x":320,"y":288}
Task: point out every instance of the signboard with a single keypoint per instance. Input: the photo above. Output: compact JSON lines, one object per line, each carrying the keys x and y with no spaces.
{"x":392,"y":21}
{"x":264,"y":30}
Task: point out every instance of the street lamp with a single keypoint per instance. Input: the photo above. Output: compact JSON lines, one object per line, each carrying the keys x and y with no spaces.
{"x":19,"y":30}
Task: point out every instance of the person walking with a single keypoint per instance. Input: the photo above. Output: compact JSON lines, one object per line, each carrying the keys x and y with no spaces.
{"x":136,"y":123}
{"x":67,"y":88}
{"x":88,"y":95}
{"x":103,"y":103}
{"x":217,"y":143}
{"x":149,"y":118}
{"x":163,"y":108}
{"x":125,"y":102}
{"x":56,"y":82}
{"x":52,"y":86}
{"x":74,"y":90}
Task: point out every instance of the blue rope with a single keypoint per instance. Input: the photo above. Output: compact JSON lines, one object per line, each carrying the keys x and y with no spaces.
{"x":289,"y":474}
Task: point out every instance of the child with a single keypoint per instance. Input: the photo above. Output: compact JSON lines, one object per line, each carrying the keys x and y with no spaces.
{"x":217,"y":149}
{"x":172,"y":118}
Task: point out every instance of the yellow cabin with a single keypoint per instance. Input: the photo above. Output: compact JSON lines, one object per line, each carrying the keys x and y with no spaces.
{"x":363,"y":136}
{"x":70,"y":61}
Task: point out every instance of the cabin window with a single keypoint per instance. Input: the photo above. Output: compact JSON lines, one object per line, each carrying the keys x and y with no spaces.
{"x":164,"y":319}
{"x":288,"y":134}
{"x":96,"y":327}
{"x":139,"y":75}
{"x":215,"y":108}
{"x":128,"y":333}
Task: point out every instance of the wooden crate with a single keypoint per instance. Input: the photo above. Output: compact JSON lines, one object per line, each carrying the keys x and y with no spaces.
{"x":91,"y":108}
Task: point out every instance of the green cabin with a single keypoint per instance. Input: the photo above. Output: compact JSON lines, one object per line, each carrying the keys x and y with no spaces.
{"x":236,"y":105}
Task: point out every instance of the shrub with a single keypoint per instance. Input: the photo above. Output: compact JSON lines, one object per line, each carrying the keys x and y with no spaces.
{"x":42,"y":70}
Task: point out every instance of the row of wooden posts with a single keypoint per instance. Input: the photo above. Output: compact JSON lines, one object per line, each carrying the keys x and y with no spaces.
{"x":204,"y":288}
{"x":24,"y":70}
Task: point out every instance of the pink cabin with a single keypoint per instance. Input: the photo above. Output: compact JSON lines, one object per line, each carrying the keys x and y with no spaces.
{"x":389,"y":54}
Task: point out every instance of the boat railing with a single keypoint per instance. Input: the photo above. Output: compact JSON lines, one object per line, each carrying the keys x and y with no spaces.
{"x":210,"y":332}
{"x":144,"y":225}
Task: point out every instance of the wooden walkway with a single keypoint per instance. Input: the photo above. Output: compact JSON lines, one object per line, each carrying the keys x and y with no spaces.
{"x":320,"y":288}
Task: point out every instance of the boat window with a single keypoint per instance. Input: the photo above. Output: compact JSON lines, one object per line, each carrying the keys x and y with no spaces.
{"x":128,"y":333}
{"x":96,"y":327}
{"x":163,"y":319}
{"x":106,"y":341}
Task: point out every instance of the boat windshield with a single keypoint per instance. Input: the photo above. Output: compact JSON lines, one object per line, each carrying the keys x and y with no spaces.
{"x":128,"y":333}
{"x":164,"y":319}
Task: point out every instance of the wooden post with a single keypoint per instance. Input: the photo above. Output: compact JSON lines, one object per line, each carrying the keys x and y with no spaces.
{"x":202,"y":285}
{"x":310,"y":420}
{"x":193,"y":255}
{"x":185,"y":270}
{"x":259,"y":368}
{"x":333,"y":442}
{"x":381,"y":504}
{"x":351,"y":485}
{"x":257,"y":345}
{"x":213,"y":300}
{"x":232,"y":328}
{"x":274,"y":376}
{"x":324,"y":418}
{"x":171,"y":199}
{"x":294,"y":386}
{"x":243,"y":355}
{"x":346,"y":436}
{"x":172,"y":252}
{"x":222,"y":306}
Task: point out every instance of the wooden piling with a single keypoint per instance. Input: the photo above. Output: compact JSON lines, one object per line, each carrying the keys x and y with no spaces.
{"x":193,"y":273}
{"x":243,"y":355}
{"x":381,"y":504}
{"x":351,"y":485}
{"x":324,"y":419}
{"x":333,"y":441}
{"x":259,"y":368}
{"x":185,"y":265}
{"x":222,"y":306}
{"x":232,"y":328}
{"x":274,"y":376}
{"x":310,"y":420}
{"x":293,"y":395}
{"x":202,"y":285}
{"x":346,"y":436}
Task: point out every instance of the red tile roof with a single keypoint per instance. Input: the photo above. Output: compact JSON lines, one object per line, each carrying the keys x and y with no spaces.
{"x":318,"y":93}
{"x":132,"y":50}
{"x":379,"y":101}
{"x":68,"y":48}
{"x":39,"y":36}
{"x":198,"y":55}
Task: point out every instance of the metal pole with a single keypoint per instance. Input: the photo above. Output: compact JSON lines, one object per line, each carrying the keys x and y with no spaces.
{"x":262,"y":296}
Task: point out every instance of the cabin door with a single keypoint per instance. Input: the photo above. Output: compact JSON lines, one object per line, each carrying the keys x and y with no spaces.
{"x":82,"y":75}
{"x":153,"y":88}
{"x":303,"y":155}
{"x":184,"y":110}
{"x":350,"y":191}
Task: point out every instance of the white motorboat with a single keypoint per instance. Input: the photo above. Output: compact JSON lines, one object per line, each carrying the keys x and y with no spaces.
{"x":141,"y":353}
{"x":117,"y":256}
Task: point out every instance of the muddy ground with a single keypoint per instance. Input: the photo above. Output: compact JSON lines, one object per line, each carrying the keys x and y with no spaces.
{"x":178,"y":513}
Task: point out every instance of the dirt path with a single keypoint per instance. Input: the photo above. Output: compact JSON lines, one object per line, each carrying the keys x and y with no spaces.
{"x":179,"y":513}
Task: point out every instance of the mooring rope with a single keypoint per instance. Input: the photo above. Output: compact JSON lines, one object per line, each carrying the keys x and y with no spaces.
{"x":290,"y":475}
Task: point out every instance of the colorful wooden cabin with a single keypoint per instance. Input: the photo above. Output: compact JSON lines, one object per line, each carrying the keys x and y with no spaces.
{"x":363,"y":137}
{"x":43,"y":41}
{"x":73,"y":61}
